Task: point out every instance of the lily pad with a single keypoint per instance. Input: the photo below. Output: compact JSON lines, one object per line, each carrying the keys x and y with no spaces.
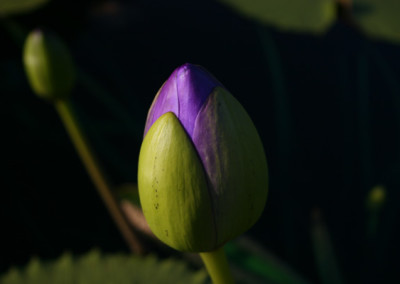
{"x":314,"y":16}
{"x":379,"y":19}
{"x":8,"y":7}
{"x":96,"y":268}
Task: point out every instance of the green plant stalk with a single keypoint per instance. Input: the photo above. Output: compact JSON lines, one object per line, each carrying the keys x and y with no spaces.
{"x":285,"y":135}
{"x":372,"y":224}
{"x":95,"y":172}
{"x":364,"y":118}
{"x":217,"y":266}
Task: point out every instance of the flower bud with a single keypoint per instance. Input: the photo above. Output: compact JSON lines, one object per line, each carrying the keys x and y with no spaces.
{"x":49,"y":65}
{"x":376,"y":197}
{"x":202,"y":170}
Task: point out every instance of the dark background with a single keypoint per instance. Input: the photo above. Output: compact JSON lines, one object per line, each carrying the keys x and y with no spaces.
{"x":327,"y":108}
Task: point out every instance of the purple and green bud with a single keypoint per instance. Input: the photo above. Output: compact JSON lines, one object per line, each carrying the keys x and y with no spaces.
{"x":49,"y":65}
{"x":202,"y":170}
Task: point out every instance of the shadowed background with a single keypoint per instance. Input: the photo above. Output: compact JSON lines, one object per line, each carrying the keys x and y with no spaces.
{"x":326,"y":102}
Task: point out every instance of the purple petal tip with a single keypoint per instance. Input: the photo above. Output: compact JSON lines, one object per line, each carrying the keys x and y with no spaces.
{"x":183,"y":93}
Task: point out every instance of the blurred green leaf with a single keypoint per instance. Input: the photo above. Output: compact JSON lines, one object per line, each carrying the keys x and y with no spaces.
{"x":129,"y":192}
{"x":264,"y":266}
{"x":328,"y":268}
{"x":95,"y":268}
{"x":303,"y":16}
{"x":8,"y":7}
{"x":379,"y":19}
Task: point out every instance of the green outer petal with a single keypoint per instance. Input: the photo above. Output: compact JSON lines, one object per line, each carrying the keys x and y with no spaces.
{"x":173,"y":188}
{"x":234,"y":158}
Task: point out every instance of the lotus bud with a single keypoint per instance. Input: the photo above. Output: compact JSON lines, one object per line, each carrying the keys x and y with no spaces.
{"x":49,"y":65}
{"x":202,"y":173}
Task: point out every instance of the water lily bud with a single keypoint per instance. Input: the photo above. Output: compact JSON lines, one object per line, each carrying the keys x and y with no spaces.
{"x":49,"y":65}
{"x":376,"y":197}
{"x":202,"y":170}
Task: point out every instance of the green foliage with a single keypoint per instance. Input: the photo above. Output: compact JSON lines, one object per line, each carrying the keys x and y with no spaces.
{"x":303,"y":16}
{"x":267,"y":268}
{"x":129,"y":192}
{"x":8,"y":7}
{"x":324,"y":252}
{"x":379,"y":19}
{"x":94,"y":268}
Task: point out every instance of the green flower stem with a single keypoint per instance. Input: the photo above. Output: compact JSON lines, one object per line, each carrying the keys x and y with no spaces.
{"x":90,"y":161}
{"x":217,"y":266}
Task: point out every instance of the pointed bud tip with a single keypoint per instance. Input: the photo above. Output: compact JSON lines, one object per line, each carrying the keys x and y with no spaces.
{"x":189,"y":68}
{"x":195,"y":74}
{"x":184,"y":93}
{"x":37,"y":32}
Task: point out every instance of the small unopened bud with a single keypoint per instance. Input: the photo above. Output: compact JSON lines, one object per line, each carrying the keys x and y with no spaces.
{"x":376,"y":197}
{"x":49,"y":65}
